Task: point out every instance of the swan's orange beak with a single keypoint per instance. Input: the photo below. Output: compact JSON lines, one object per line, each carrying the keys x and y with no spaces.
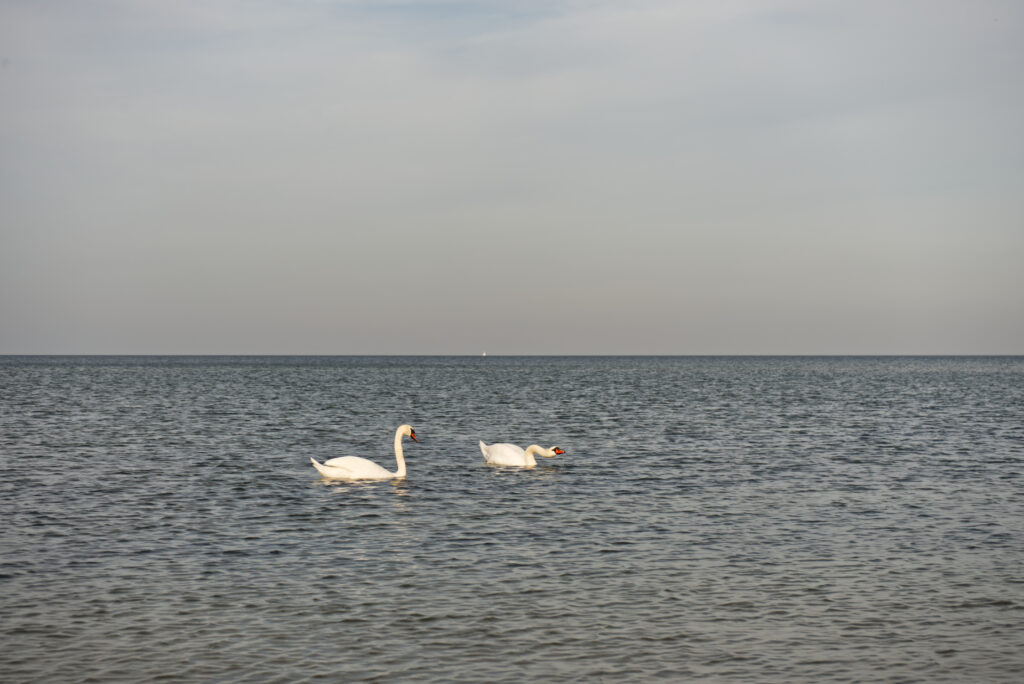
{"x":413,"y":435}
{"x":558,"y":451}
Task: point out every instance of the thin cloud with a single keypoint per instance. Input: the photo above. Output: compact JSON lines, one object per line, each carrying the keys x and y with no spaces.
{"x":651,"y":178}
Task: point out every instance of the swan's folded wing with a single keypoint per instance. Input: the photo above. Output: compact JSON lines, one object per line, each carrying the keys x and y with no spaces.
{"x":505,"y":454}
{"x":356,"y":468}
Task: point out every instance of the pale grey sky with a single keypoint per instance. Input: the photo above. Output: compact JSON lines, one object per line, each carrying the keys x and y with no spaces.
{"x":563,"y":177}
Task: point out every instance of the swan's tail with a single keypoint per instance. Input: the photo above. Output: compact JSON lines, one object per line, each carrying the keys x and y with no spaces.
{"x":320,"y":469}
{"x":483,"y":449}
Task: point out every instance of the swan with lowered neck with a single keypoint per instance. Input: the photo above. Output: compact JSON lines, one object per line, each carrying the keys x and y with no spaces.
{"x":356,"y":468}
{"x":512,"y":455}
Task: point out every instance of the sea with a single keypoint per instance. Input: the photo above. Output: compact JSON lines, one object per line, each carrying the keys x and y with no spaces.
{"x":714,"y":519}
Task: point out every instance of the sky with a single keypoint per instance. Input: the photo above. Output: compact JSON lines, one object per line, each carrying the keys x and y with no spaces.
{"x":556,"y":177}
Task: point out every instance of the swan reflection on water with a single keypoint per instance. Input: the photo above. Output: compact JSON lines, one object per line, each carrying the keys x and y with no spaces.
{"x":398,"y":485}
{"x":540,"y":472}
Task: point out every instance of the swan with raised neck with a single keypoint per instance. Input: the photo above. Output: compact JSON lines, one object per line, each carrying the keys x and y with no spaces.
{"x":358,"y":468}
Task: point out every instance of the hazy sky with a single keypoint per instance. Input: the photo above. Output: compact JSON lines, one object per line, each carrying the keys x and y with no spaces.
{"x":557,"y":176}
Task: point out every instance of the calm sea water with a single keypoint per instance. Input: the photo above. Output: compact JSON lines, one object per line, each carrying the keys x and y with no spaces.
{"x":715,"y":519}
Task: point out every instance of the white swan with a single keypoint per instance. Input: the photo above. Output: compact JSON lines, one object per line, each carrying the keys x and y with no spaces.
{"x":512,"y":455}
{"x":356,"y":468}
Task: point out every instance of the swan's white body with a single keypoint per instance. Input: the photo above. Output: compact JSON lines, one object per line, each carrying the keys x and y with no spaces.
{"x":512,"y":455}
{"x":356,"y":468}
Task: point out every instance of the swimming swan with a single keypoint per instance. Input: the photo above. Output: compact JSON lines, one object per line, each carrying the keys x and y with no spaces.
{"x":356,"y":468}
{"x":512,"y":455}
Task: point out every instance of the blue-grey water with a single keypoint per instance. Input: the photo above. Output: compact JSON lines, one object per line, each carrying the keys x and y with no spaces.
{"x":714,"y":519}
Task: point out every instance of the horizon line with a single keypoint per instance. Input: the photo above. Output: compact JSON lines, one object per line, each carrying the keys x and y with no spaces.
{"x":490,"y":355}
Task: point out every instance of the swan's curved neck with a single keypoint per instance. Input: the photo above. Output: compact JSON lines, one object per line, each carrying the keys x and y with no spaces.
{"x":531,"y":453}
{"x":399,"y":456}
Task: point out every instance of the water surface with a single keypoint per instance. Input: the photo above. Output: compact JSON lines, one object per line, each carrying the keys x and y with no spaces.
{"x":715,"y":519}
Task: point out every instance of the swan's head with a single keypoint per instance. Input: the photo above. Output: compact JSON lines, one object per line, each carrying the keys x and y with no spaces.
{"x":407,"y":431}
{"x":553,"y":451}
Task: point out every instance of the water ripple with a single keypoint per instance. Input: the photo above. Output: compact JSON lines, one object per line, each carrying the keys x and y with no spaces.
{"x":792,"y":520}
